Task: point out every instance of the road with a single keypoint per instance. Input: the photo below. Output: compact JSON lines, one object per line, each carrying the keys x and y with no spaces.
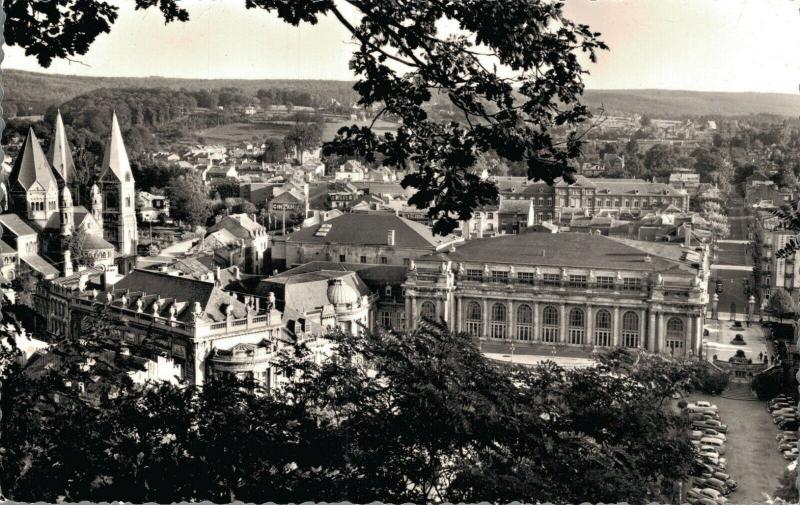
{"x":733,"y":262}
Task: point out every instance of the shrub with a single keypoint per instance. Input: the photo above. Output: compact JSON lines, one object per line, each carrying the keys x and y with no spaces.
{"x":768,"y":385}
{"x":709,"y":380}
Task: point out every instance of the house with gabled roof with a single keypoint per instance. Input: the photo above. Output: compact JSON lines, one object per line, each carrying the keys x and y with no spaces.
{"x":370,"y":238}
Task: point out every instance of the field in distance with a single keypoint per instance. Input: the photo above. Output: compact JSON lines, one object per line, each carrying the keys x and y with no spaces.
{"x":262,"y":130}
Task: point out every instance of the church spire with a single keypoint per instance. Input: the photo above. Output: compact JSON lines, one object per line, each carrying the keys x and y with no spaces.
{"x":116,"y":158}
{"x":60,"y":155}
{"x":31,"y":166}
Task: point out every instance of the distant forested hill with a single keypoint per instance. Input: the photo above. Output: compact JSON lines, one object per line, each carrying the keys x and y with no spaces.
{"x":661,"y":103}
{"x":32,"y":93}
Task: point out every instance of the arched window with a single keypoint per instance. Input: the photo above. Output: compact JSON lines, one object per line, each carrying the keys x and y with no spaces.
{"x":525,"y":322}
{"x":498,"y":322}
{"x":675,"y":328}
{"x":427,"y":310}
{"x":602,"y":328}
{"x":550,"y":324}
{"x":577,"y":326}
{"x":630,"y":329}
{"x":473,"y":319}
{"x":676,"y":338}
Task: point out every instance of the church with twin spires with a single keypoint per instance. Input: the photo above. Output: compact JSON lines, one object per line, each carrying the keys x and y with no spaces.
{"x":43,"y":195}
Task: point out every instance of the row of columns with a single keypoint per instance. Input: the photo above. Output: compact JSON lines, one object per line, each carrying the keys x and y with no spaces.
{"x":652,"y":323}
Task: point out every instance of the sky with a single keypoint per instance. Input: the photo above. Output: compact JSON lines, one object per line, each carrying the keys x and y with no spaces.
{"x":704,"y":45}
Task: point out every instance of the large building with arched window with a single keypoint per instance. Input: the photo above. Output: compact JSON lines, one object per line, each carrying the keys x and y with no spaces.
{"x":572,"y":289}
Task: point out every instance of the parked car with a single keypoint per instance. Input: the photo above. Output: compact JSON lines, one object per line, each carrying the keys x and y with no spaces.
{"x":731,"y":483}
{"x":783,"y":418}
{"x":714,"y":442}
{"x":714,"y":433}
{"x":779,"y":405}
{"x":711,"y":423}
{"x":791,"y":425}
{"x":714,"y":495}
{"x":787,"y":446}
{"x":791,"y":454}
{"x":784,"y":410}
{"x":786,"y":435}
{"x":703,"y":403}
{"x":695,"y":493}
{"x":717,"y":484}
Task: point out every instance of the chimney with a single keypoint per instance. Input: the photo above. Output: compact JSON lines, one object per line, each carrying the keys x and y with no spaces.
{"x":390,"y":238}
{"x":216,"y":273}
{"x":67,"y":263}
{"x":465,"y":229}
{"x":687,"y":234}
{"x":647,"y":258}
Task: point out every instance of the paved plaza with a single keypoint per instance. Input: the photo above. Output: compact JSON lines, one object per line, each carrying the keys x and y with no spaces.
{"x":720,"y":334}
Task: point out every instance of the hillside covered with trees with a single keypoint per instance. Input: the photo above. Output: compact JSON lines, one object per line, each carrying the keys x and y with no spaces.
{"x":33,"y":93}
{"x":663,"y":103}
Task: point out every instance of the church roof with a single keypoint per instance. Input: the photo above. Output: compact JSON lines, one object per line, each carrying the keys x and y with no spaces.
{"x":95,"y":243}
{"x":15,"y":224}
{"x":115,"y":158}
{"x":60,"y":155}
{"x":31,"y":166}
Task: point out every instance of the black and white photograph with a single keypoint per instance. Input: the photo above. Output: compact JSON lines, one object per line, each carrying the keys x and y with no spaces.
{"x":400,"y":251}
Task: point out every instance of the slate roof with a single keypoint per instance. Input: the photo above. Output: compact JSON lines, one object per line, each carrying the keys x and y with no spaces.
{"x":372,"y":229}
{"x":115,"y":158}
{"x":6,"y":249}
{"x":16,"y":225}
{"x":60,"y":154}
{"x":623,"y":186}
{"x":238,"y":225}
{"x":95,"y":243}
{"x":514,"y":206}
{"x":40,"y":265}
{"x":182,"y":292}
{"x":579,"y":250}
{"x":79,"y":215}
{"x":308,"y":291}
{"x":31,"y":166}
{"x":372,"y":275}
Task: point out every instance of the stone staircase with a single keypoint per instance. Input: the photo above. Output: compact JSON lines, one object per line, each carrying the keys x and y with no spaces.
{"x":739,"y":391}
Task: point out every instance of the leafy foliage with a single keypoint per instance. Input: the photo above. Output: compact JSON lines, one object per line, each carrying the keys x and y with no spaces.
{"x":789,"y":216}
{"x":415,"y":417}
{"x":782,"y":304}
{"x":303,"y":137}
{"x":403,"y":61}
{"x":189,"y":201}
